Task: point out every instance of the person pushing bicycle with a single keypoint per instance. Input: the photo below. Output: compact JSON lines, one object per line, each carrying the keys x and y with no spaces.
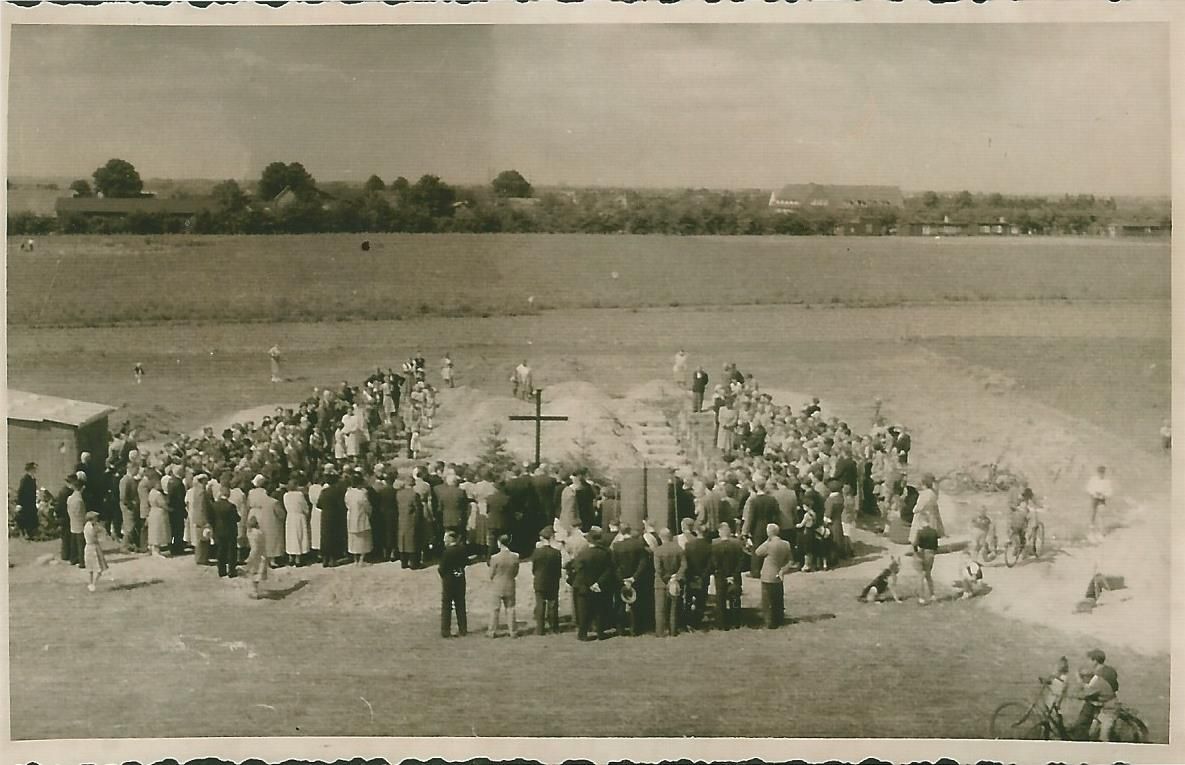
{"x":1023,"y":518}
{"x":1100,"y":695}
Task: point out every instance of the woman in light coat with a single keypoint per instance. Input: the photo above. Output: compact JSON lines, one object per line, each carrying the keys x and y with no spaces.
{"x":159,"y":532}
{"x":296,"y":524}
{"x":358,"y":512}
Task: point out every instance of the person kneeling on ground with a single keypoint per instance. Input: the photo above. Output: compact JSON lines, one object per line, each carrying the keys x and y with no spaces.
{"x":970,"y":575}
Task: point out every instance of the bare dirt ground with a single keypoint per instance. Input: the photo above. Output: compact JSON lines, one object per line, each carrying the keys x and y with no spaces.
{"x":259,"y":667}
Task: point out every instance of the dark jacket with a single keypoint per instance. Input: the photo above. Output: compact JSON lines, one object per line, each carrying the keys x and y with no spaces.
{"x":224,"y":518}
{"x":453,"y":504}
{"x":594,"y":565}
{"x":546,"y":494}
{"x":728,"y":557}
{"x":498,"y":511}
{"x":452,"y":562}
{"x":333,"y":518}
{"x":176,"y":496}
{"x":546,"y":568}
{"x":631,"y":558}
{"x":698,"y":552}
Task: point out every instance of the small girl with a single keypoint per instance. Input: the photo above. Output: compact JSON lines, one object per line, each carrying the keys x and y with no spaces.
{"x":446,"y":371}
{"x":96,"y":562}
{"x":413,"y":445}
{"x":849,"y":518}
{"x":807,"y":525}
{"x":256,"y":559}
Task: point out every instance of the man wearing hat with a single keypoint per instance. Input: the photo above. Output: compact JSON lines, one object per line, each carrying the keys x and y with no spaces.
{"x":547,"y":566}
{"x":26,"y":500}
{"x":631,"y":559}
{"x":594,"y":581}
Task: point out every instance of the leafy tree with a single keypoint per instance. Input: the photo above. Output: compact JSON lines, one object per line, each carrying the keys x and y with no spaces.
{"x":400,"y":186}
{"x":433,"y":195}
{"x":995,"y":200}
{"x":118,"y":178}
{"x":229,"y":198}
{"x":82,"y":188}
{"x":964,"y":200}
{"x":277,"y":176}
{"x":373,"y":185}
{"x":930,"y":199}
{"x":510,"y":183}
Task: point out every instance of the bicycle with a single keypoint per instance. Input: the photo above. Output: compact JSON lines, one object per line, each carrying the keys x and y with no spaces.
{"x":1041,"y":722}
{"x":1015,"y":547}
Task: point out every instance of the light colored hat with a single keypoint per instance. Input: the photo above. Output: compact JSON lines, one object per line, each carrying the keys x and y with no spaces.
{"x":258,"y":480}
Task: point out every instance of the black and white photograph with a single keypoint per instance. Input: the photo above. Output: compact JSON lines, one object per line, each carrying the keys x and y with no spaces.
{"x":599,"y":380}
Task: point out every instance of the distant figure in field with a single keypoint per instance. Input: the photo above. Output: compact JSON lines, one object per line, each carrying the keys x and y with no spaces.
{"x":680,"y":369}
{"x":522,"y":381}
{"x":1166,"y":436}
{"x":256,"y":559}
{"x":446,"y":371}
{"x":94,"y":560}
{"x":1100,"y":490}
{"x":138,"y":372}
{"x":699,"y":384}
{"x":274,"y":356}
{"x":27,"y":501}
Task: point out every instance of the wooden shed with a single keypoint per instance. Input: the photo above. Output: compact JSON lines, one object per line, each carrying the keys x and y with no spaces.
{"x":52,"y":432}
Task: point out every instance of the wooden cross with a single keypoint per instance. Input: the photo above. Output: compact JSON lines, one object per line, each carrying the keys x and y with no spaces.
{"x":539,"y":418}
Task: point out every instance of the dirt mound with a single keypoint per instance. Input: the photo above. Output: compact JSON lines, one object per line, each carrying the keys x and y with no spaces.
{"x":467,"y":417}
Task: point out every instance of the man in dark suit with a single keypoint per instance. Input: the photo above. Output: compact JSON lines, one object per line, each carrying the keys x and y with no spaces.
{"x":453,"y":504}
{"x":333,"y":519}
{"x":698,"y":553}
{"x":728,"y":564}
{"x":546,"y":568}
{"x":175,"y":499}
{"x":498,"y":518}
{"x":452,"y":585}
{"x":760,"y":511}
{"x":631,"y":560}
{"x":699,"y":384}
{"x":593,"y":583}
{"x":669,"y":564}
{"x":26,"y":500}
{"x":845,"y":469}
{"x":709,"y":509}
{"x":547,"y":493}
{"x":386,"y":529}
{"x":224,"y":518}
{"x":586,"y":501}
{"x":523,"y":515}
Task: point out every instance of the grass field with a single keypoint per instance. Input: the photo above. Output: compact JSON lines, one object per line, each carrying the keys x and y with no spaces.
{"x":90,"y":280}
{"x":1062,"y":384}
{"x":226,"y":666}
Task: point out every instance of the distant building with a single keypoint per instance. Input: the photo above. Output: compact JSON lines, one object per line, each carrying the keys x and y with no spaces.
{"x":287,"y":196}
{"x":998,"y":227}
{"x":1117,"y":230}
{"x":823,"y":198}
{"x":52,"y":432}
{"x":944,"y":227}
{"x":118,"y":207}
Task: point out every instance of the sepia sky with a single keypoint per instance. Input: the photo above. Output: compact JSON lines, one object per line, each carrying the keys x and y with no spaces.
{"x":1011,"y":108}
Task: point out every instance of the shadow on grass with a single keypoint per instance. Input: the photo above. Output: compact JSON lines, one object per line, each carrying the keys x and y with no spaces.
{"x":809,"y":618}
{"x":137,"y":585}
{"x":283,"y":593}
{"x":862,"y":552}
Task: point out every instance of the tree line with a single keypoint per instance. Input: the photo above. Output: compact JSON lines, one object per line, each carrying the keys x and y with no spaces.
{"x":288,"y":199}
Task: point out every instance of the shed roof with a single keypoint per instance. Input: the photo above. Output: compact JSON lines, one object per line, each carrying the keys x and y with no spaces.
{"x":34,"y":407}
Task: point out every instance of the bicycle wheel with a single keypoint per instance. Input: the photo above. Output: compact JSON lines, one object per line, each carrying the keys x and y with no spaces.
{"x":1129,"y":728}
{"x":1038,"y":540}
{"x":1011,"y":551}
{"x":1015,"y":720}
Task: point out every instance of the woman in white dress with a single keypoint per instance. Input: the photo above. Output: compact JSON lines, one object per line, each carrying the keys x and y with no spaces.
{"x":296,"y":524}
{"x":315,"y":489}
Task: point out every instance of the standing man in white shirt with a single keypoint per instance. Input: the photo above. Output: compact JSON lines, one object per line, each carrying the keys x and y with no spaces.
{"x":274,"y":356}
{"x":1100,"y":490}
